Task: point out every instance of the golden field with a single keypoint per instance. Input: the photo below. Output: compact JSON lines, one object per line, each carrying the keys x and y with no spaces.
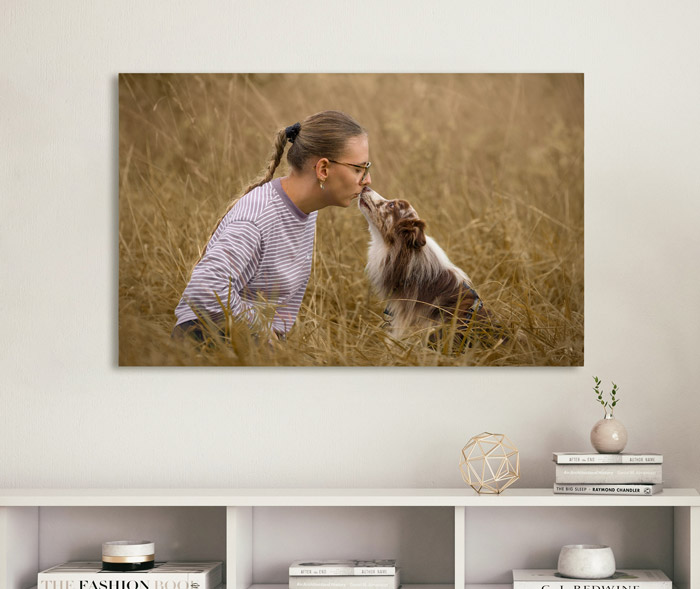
{"x":492,"y":162}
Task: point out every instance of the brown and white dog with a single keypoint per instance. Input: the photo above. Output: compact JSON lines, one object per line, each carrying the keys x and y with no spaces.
{"x":426,"y":293}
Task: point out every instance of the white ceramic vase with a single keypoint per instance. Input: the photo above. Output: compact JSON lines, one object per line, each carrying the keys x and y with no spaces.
{"x":609,"y":436}
{"x":586,"y":561}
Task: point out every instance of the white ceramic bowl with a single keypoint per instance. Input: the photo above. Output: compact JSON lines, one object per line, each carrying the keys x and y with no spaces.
{"x":586,"y":561}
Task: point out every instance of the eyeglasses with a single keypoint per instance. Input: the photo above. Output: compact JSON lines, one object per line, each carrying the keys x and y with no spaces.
{"x":364,"y":167}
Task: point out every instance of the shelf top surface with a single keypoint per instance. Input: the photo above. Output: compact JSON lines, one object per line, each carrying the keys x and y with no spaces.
{"x":458,"y":497}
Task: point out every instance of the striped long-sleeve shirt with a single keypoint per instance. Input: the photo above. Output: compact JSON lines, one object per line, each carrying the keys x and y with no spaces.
{"x":260,"y":254}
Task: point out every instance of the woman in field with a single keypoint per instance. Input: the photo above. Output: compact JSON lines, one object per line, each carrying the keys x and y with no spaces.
{"x":257,"y":263}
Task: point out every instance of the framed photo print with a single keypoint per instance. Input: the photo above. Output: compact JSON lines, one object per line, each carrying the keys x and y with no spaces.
{"x":351,"y":219}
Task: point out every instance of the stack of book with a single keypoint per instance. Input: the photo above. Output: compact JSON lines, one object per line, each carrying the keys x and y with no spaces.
{"x":163,"y":575}
{"x":608,"y":474}
{"x":627,"y":579}
{"x":344,"y":574}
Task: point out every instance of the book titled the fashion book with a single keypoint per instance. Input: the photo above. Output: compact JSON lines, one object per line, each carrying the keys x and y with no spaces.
{"x":595,"y":458}
{"x":608,"y":473}
{"x":626,"y":579}
{"x":346,"y":582}
{"x":601,"y":489}
{"x":163,"y":575}
{"x":325,"y":568}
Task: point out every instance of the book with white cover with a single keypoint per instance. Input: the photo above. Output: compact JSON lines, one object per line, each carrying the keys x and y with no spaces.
{"x":90,"y":575}
{"x":346,"y":582}
{"x":594,"y":457}
{"x":604,"y":489}
{"x":607,"y":473}
{"x":326,"y":568}
{"x":625,"y":579}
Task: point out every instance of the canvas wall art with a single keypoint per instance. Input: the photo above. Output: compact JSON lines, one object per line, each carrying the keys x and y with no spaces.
{"x":351,"y":220}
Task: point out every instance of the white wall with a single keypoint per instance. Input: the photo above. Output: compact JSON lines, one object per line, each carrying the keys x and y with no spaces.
{"x":66,"y":406}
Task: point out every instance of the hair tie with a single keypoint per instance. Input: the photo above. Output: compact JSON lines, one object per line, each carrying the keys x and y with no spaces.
{"x":292,"y":131}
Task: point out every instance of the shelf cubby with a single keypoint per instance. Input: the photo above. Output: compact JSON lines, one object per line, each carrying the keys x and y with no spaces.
{"x":641,"y":537}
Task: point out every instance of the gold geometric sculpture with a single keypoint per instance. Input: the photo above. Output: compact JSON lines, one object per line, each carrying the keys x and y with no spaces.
{"x":490,"y":463}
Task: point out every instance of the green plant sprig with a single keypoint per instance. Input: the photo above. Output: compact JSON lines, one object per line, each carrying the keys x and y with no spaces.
{"x":613,"y":395}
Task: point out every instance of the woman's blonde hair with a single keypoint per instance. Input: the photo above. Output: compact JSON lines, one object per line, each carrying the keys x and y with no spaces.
{"x":323,"y":134}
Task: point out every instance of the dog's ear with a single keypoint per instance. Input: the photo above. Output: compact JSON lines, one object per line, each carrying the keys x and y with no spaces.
{"x":412,"y":232}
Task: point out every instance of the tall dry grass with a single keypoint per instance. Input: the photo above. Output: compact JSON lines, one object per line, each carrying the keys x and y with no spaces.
{"x":493,"y":163}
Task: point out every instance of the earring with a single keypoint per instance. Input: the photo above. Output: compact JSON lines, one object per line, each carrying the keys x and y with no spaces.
{"x":320,"y":184}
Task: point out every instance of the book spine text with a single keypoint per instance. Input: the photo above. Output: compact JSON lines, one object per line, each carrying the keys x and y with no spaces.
{"x":608,"y":473}
{"x":340,"y":571}
{"x":607,"y":459}
{"x":125,"y":581}
{"x":344,"y":582}
{"x":601,"y":584}
{"x":608,"y":489}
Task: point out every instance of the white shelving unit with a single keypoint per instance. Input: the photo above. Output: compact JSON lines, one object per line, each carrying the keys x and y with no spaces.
{"x":441,"y":537}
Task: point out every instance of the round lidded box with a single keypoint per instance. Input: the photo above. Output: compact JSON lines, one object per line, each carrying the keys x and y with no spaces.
{"x":128,"y":555}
